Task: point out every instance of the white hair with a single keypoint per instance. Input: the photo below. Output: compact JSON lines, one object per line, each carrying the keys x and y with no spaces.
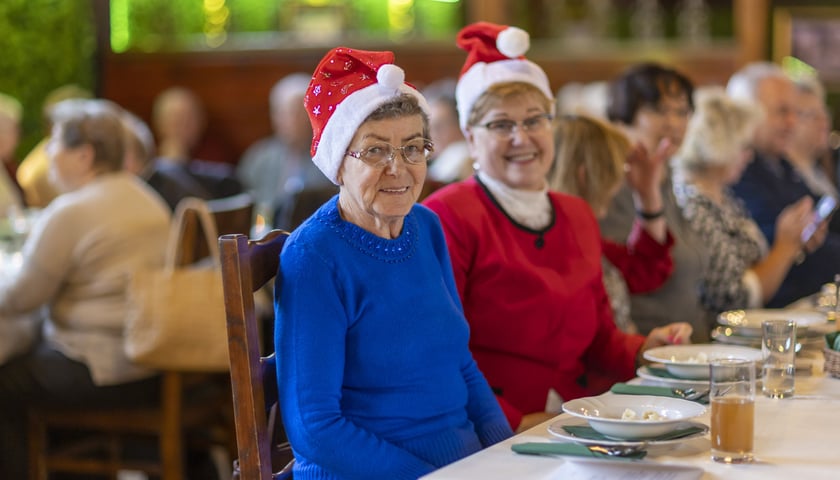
{"x":287,"y":88}
{"x":743,"y":85}
{"x":812,"y":85}
{"x":717,"y":132}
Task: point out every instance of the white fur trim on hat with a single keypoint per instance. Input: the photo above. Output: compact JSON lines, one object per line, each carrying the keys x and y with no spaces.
{"x":349,"y":115}
{"x":513,"y":42}
{"x":482,"y":76}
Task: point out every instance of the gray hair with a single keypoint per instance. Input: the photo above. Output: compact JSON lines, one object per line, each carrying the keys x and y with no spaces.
{"x":288,"y":87}
{"x":93,"y":122}
{"x":743,"y":85}
{"x":810,"y":84}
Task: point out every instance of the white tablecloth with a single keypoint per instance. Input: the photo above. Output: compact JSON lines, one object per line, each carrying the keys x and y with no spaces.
{"x":796,"y":438}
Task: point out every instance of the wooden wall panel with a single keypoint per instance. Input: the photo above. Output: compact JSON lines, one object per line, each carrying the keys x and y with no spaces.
{"x":235,"y":85}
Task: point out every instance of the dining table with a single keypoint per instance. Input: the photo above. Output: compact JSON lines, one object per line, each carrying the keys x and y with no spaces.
{"x":795,"y":438}
{"x":18,"y":332}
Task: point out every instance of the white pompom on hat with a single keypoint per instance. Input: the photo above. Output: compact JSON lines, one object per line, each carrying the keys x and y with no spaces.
{"x":495,"y":54}
{"x":347,"y":86}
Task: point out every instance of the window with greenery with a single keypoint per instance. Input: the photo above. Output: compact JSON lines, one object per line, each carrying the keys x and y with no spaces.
{"x":167,"y":25}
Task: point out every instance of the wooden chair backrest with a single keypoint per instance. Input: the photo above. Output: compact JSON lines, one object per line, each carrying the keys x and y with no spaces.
{"x":247,"y":265}
{"x":232,"y":215}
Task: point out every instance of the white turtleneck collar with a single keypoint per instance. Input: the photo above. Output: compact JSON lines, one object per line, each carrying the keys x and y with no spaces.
{"x":531,"y":208}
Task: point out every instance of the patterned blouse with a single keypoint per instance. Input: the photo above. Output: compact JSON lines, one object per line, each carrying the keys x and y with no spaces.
{"x":735,"y":244}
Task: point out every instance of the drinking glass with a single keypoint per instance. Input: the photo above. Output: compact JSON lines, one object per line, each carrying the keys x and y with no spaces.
{"x":779,"y":347}
{"x":732,"y":398}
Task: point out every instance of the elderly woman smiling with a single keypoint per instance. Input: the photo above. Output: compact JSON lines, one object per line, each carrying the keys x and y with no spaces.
{"x":527,"y":261}
{"x":375,"y":374}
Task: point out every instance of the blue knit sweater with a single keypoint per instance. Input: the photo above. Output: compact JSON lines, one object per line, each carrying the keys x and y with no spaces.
{"x":376,"y":379}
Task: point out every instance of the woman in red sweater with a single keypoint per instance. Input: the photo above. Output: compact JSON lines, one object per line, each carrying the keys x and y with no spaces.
{"x":526,"y":260}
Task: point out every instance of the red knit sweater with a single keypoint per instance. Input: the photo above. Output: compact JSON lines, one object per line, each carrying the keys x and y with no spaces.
{"x":539,"y":316}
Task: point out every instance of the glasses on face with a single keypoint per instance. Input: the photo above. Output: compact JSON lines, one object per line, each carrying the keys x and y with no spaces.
{"x":505,"y":128}
{"x":381,"y":154}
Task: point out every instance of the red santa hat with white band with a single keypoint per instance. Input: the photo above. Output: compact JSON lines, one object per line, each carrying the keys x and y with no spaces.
{"x":495,"y":54}
{"x":347,"y":86}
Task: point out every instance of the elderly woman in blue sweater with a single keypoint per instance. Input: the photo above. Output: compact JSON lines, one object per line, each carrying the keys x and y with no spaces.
{"x":376,"y":378}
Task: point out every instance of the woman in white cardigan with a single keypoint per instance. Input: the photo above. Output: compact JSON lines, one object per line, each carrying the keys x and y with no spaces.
{"x":76,"y":265}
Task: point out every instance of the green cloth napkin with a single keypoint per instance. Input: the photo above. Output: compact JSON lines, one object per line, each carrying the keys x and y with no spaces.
{"x":662,"y":373}
{"x":832,"y":340}
{"x":573,"y":449}
{"x":589,"y":433}
{"x":628,"y":389}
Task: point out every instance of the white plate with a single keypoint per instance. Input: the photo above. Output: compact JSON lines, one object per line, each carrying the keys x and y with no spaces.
{"x":556,"y":429}
{"x":748,"y":322}
{"x":726,"y":335}
{"x":644,"y":372}
{"x":604,"y":413}
{"x":692,"y":361}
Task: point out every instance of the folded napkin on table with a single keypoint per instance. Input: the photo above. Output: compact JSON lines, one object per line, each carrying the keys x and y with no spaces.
{"x":629,"y":389}
{"x":832,"y":340}
{"x":589,"y":433}
{"x":573,"y":449}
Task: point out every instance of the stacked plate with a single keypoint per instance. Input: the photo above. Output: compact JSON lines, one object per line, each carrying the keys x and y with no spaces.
{"x":743,"y":327}
{"x":687,"y":366}
{"x":629,"y":420}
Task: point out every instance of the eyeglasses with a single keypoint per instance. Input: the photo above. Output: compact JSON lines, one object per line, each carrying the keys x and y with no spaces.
{"x":381,"y":154}
{"x":505,"y":128}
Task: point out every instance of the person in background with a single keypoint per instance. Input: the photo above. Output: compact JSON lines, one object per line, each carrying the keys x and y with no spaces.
{"x":451,"y":160}
{"x":375,"y":375}
{"x":743,"y":271}
{"x":652,"y":103}
{"x":77,"y":262}
{"x":593,"y":160}
{"x":180,"y":123}
{"x":173,"y":182}
{"x":275,"y":169}
{"x":11,"y":195}
{"x":770,"y":183}
{"x":527,"y":260}
{"x":32,"y":173}
{"x":809,"y":143}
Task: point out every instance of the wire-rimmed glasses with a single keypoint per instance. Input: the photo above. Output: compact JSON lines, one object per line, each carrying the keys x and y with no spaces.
{"x":505,"y":127}
{"x":379,"y":155}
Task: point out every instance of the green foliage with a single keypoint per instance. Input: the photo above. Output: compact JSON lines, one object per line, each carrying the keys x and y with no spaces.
{"x":45,"y":44}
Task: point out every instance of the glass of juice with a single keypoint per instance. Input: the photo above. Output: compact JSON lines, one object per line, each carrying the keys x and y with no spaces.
{"x":732,"y":398}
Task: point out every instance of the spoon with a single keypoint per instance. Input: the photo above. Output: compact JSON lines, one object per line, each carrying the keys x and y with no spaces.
{"x":636,"y":451}
{"x":690,"y":393}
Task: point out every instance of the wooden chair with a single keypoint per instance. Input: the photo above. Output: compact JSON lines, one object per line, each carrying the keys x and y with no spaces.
{"x":102,"y":452}
{"x":247,"y":265}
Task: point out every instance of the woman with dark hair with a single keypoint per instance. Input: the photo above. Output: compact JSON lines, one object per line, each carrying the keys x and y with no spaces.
{"x":375,"y":373}
{"x":652,"y":104}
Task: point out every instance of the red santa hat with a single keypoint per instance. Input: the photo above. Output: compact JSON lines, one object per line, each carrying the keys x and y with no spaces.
{"x":495,"y":54}
{"x":347,"y":86}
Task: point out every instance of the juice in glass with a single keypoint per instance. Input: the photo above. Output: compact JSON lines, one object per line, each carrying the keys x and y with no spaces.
{"x":732,"y":429}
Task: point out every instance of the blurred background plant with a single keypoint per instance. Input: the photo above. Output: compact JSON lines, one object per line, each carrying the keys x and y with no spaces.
{"x":45,"y":44}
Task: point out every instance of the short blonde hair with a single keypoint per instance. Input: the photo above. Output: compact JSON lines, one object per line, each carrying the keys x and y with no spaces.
{"x":499,"y":92}
{"x":597,"y":147}
{"x":719,"y":130}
